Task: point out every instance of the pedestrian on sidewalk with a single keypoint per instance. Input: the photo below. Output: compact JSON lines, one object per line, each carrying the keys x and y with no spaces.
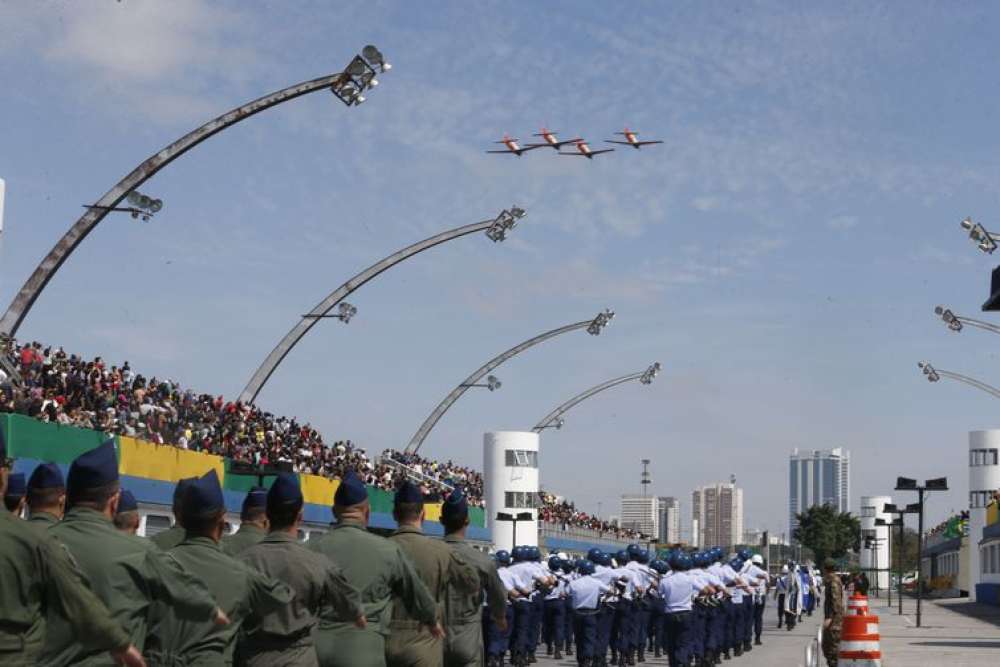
{"x":833,"y":612}
{"x":780,"y":591}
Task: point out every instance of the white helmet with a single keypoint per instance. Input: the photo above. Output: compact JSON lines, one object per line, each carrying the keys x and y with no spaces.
{"x":757,"y":559}
{"x":784,"y":569}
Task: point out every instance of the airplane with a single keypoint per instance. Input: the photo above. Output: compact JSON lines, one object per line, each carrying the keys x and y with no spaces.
{"x":512,"y":146}
{"x":583,"y":150}
{"x":549,"y":136}
{"x":630,"y":140}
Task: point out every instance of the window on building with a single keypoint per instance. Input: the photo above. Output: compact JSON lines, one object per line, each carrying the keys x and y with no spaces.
{"x":868,"y":511}
{"x":980,"y":498}
{"x":521,"y":458}
{"x":983,"y":457}
{"x":996,"y":558}
{"x":520,"y":499}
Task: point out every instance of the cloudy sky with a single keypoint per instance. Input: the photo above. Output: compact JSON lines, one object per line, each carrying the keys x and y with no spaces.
{"x":781,"y":253}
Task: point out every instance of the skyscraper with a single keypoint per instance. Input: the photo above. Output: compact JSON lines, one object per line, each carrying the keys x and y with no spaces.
{"x":718,"y":511}
{"x":641,"y":513}
{"x":670,"y":520}
{"x":818,"y":477}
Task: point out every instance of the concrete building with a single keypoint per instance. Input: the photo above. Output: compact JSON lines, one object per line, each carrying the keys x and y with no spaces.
{"x":984,"y":480}
{"x":670,"y":520}
{"x":717,"y":509}
{"x":818,"y":477}
{"x":510,"y":478}
{"x":876,"y":557}
{"x":641,"y":513}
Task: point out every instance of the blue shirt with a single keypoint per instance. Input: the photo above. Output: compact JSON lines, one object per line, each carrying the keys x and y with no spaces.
{"x":675,"y":589}
{"x":585,"y":592}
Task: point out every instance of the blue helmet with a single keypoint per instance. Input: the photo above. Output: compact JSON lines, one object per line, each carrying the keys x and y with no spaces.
{"x":567,"y":566}
{"x":686,"y":562}
{"x":675,"y":559}
{"x":703,"y":559}
{"x":555,"y":563}
{"x":517,"y":553}
{"x":736,"y":564}
{"x":633,"y":551}
{"x":536,"y":554}
{"x":603,"y":558}
{"x":584,"y":567}
{"x":659,"y":566}
{"x":503,"y":557}
{"x":744,"y":554}
{"x":717,"y":554}
{"x":643,"y":556}
{"x":593,"y":555}
{"x":622,"y":557}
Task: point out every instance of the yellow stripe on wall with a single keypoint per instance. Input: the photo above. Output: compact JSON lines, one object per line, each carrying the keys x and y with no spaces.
{"x":164,"y":462}
{"x":318,"y":490}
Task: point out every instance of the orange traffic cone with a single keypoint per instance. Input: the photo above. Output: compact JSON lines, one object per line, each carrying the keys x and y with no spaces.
{"x":859,"y":642}
{"x":857,"y":605}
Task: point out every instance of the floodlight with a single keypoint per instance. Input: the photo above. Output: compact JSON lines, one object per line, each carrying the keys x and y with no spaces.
{"x":979,"y":235}
{"x":133,"y":197}
{"x":375,"y":57}
{"x":929,"y":371}
{"x":650,"y":373}
{"x":938,"y":484}
{"x":504,"y":222}
{"x":347,"y":311}
{"x":890,"y":508}
{"x":912,"y":508}
{"x":602,"y":320}
{"x":356,"y":68}
{"x":559,"y":423}
{"x":492,"y":382}
{"x":906,"y":484}
{"x":156,"y":205}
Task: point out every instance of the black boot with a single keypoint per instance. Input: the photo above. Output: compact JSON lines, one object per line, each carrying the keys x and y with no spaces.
{"x":757,"y":642}
{"x":642,"y":655}
{"x":631,"y":657}
{"x":558,"y":654}
{"x":747,"y":646}
{"x":656,"y":652}
{"x":725,"y":655}
{"x":548,"y":650}
{"x":569,"y":648}
{"x":532,"y":659}
{"x":614,"y":657}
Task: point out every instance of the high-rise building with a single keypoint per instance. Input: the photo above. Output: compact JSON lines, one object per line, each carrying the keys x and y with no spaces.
{"x":641,"y":513}
{"x":670,"y":520}
{"x":818,"y":477}
{"x":717,"y":509}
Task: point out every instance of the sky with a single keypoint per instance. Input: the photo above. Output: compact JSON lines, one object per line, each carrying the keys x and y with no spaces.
{"x":780,"y":253}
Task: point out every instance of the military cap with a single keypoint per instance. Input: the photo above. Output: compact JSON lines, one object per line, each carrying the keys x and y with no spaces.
{"x":95,"y":468}
{"x":351,"y":491}
{"x":127,"y":502}
{"x":16,"y":487}
{"x":180,"y":491}
{"x":455,"y":506}
{"x":408,"y":492}
{"x":284,"y":491}
{"x":46,"y":476}
{"x":203,"y":496}
{"x":256,"y":498}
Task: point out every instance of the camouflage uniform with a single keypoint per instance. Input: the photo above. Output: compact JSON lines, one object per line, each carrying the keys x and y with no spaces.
{"x":833,"y":609}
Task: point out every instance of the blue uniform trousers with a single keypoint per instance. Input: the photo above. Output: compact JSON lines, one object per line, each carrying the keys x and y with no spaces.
{"x":640,"y":624}
{"x":714,"y":623}
{"x":538,"y":613}
{"x":522,"y":627}
{"x":758,"y":618}
{"x":678,"y":638}
{"x":698,"y":623}
{"x":568,"y":626}
{"x":496,"y":642}
{"x":732,"y":613}
{"x":605,"y":620}
{"x":555,"y":622}
{"x":656,"y":629}
{"x":747,"y":635}
{"x":585,"y":629}
{"x":622,"y":630}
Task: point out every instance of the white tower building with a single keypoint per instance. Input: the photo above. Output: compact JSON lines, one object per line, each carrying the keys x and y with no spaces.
{"x":510,"y":477}
{"x":984,"y":479}
{"x":876,"y":558}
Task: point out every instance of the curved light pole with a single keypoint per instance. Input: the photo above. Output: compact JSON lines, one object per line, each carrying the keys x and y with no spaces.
{"x":593,"y":327}
{"x":554,"y":418}
{"x":956,"y":322}
{"x":935,"y":374}
{"x":347,"y":86}
{"x":496,"y":230}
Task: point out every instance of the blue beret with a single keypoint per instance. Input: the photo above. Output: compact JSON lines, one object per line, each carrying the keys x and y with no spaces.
{"x":202,"y":495}
{"x":16,"y":488}
{"x":127,"y":503}
{"x":255,"y":498}
{"x":181,"y":490}
{"x":91,"y":469}
{"x":455,"y":506}
{"x":284,"y":491}
{"x":408,"y":492}
{"x":351,"y":491}
{"x":46,"y":476}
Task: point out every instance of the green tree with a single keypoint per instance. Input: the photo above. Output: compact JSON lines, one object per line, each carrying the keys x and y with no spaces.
{"x":827,"y":532}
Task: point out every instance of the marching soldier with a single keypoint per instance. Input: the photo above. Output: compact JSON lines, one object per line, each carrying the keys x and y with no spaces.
{"x":584,"y":594}
{"x":13,"y":497}
{"x":46,"y":495}
{"x":169,"y":539}
{"x":285,"y":636}
{"x":133,"y":578}
{"x":409,"y":644}
{"x":675,"y":591}
{"x":127,"y":515}
{"x":253,"y":523}
{"x":242,"y":592}
{"x":39,"y":581}
{"x":464,"y":641}
{"x":376,"y":567}
{"x":833,"y":611}
{"x":498,"y":641}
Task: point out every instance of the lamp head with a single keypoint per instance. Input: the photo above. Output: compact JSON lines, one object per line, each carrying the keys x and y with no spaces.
{"x":650,"y":373}
{"x":938,"y":484}
{"x":602,"y":320}
{"x":906,"y":484}
{"x":493,"y":383}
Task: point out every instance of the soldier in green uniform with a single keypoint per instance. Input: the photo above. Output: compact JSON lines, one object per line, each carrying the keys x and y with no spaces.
{"x":833,"y":612}
{"x":46,"y":495}
{"x":127,"y":514}
{"x":13,"y":497}
{"x":285,"y":636}
{"x":127,"y":573}
{"x":240,"y":590}
{"x":253,"y":523}
{"x":170,"y":538}
{"x":38,"y":581}
{"x":409,"y":644}
{"x":464,"y":642}
{"x":380,"y":570}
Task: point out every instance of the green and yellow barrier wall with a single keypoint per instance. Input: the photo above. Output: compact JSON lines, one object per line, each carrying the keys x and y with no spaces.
{"x":150,"y":472}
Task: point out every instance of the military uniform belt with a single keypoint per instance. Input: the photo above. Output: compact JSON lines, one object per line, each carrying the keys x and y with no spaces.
{"x":586,"y":611}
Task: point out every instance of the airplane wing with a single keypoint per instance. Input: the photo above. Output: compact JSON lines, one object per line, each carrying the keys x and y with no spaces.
{"x":605,"y":150}
{"x":647,"y":143}
{"x":623,"y":143}
{"x":503,"y":151}
{"x":575,"y":154}
{"x":557,"y":145}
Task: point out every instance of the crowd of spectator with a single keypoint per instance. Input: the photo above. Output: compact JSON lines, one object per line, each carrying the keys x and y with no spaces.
{"x":68,"y":389}
{"x":559,"y":511}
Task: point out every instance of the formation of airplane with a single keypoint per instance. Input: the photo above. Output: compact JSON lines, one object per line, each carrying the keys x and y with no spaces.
{"x":581,"y":147}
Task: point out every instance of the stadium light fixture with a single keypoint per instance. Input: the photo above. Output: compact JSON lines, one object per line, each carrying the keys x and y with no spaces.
{"x":142,"y":206}
{"x":929,"y":371}
{"x":503,"y":223}
{"x":359,"y":76}
{"x":983,"y":239}
{"x":345,"y":312}
{"x":650,"y":373}
{"x":492,"y":383}
{"x":602,"y":320}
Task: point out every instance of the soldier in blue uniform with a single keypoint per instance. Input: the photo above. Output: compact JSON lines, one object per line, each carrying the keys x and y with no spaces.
{"x":554,"y":620}
{"x":497,"y":641}
{"x":657,"y":611}
{"x":585,"y":594}
{"x":675,"y":589}
{"x":569,"y":572}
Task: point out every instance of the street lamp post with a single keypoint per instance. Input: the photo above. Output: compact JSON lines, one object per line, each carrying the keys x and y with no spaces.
{"x":888,"y":567}
{"x":872,"y":544}
{"x":891,"y":508}
{"x":935,"y":374}
{"x":347,"y":85}
{"x":593,"y":327}
{"x":907,"y":484}
{"x":984,"y":240}
{"x":496,"y":229}
{"x":554,"y":419}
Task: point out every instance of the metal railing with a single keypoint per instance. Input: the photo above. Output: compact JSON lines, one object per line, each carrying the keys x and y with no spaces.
{"x":813,"y":652}
{"x":413,"y":474}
